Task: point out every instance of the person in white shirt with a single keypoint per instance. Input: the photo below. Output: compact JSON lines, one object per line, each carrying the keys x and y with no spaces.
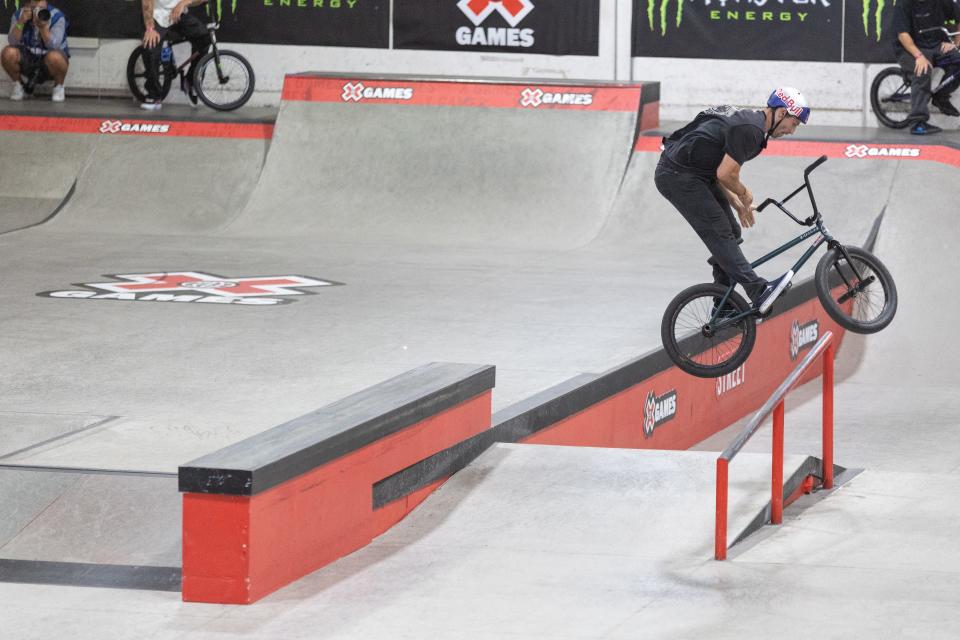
{"x":169,"y":19}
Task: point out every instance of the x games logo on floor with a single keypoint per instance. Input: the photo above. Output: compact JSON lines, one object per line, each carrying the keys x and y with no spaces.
{"x":657,"y":410}
{"x":193,"y":286}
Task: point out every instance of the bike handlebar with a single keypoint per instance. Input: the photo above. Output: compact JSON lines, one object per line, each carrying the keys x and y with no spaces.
{"x":806,"y":185}
{"x":946,"y":32}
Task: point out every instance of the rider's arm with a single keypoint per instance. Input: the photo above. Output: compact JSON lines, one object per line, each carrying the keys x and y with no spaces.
{"x":147,"y":6}
{"x":16,"y":30}
{"x":907,"y":41}
{"x":728,"y":175}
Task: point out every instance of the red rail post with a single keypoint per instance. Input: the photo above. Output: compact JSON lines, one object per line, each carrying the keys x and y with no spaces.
{"x":720,"y":534}
{"x":828,"y":416}
{"x":776,"y":488}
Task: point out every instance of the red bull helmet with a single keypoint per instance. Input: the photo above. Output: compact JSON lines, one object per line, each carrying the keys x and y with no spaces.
{"x":792,"y":100}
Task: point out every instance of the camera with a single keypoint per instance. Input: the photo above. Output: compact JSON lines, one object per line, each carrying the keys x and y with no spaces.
{"x":43,"y":15}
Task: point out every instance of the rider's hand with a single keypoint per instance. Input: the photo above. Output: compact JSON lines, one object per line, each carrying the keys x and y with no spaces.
{"x":151,"y":38}
{"x":746,"y":198}
{"x":922,"y":66}
{"x":178,"y":10}
{"x":746,"y":217}
{"x":947,"y":47}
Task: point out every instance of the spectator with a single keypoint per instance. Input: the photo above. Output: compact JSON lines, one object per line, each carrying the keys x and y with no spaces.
{"x":169,"y":19}
{"x":38,"y":49}
{"x":920,"y":44}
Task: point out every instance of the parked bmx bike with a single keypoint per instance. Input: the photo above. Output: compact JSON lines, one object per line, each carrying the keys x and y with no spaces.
{"x":890,"y":90}
{"x":708,"y":330}
{"x":222,"y":79}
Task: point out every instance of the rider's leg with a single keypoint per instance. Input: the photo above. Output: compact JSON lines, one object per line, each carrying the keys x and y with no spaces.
{"x":10,"y":59}
{"x":151,"y":64}
{"x":951,"y":66}
{"x":692,"y":197}
{"x":920,"y":91}
{"x":194,"y":29}
{"x":719,"y":275}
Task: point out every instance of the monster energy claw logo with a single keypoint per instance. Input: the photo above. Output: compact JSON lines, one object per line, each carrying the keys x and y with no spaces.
{"x":664,"y":10}
{"x":877,"y":16}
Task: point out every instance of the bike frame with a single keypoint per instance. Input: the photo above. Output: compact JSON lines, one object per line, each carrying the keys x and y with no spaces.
{"x":820,"y":230}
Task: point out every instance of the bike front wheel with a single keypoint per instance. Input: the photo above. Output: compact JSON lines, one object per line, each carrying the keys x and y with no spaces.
{"x":137,"y":76}
{"x":223,"y":80}
{"x":856,"y":289}
{"x":705,"y":341}
{"x":890,"y":97}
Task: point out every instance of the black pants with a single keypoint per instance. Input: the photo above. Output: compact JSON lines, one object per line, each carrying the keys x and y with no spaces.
{"x":920,"y":88}
{"x":702,"y":203}
{"x":190,"y":27}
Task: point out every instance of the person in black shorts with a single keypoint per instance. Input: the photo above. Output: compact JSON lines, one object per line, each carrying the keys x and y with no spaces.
{"x":37,"y":50}
{"x":699,"y":173}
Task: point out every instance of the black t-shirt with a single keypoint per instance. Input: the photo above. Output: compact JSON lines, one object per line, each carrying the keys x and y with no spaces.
{"x":700,"y":146}
{"x":911,"y":16}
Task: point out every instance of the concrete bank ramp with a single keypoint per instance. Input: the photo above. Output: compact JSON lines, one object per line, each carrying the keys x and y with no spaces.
{"x":439,"y":162}
{"x":165,"y":183}
{"x":39,"y":170}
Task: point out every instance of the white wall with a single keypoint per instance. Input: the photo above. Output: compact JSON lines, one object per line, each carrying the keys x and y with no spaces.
{"x":839,"y":92}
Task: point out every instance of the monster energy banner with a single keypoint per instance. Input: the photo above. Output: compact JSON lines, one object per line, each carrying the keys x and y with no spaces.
{"x":558,"y":27}
{"x":739,"y":29}
{"x":345,"y":23}
{"x":868,"y":37}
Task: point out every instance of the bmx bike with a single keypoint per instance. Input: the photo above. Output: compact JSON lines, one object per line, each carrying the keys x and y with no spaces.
{"x":222,"y":79}
{"x":890,"y":90}
{"x":708,"y":330}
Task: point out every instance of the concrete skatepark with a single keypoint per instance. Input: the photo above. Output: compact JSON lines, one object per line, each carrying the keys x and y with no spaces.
{"x":530,"y":240}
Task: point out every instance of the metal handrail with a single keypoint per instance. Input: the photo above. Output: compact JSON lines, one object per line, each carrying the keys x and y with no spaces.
{"x":774,"y":404}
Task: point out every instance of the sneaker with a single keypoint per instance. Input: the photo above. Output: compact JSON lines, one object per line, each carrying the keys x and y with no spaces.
{"x":151,"y":105}
{"x":773,"y":290}
{"x":17,"y":93}
{"x":946,"y":107}
{"x":58,"y":95}
{"x":187,"y":87}
{"x":925,"y":129}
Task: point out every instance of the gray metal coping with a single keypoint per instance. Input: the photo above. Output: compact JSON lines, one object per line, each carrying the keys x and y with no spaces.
{"x":527,"y":417}
{"x":284,"y":452}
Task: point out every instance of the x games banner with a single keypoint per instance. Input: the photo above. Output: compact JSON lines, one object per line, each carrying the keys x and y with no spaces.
{"x":739,"y":29}
{"x":557,"y":27}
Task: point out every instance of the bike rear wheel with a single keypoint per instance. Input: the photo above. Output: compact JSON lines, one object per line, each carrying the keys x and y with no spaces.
{"x":137,"y":76}
{"x":690,"y":339}
{"x":856,"y":290}
{"x":890,"y":97}
{"x":223,"y":80}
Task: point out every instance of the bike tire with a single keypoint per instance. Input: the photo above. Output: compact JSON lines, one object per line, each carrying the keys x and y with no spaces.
{"x":883,"y":113}
{"x":136,"y":76}
{"x":868,"y":313}
{"x":684,"y":339}
{"x":206,"y":68}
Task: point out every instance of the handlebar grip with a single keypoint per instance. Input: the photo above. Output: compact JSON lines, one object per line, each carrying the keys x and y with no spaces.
{"x":816,"y":163}
{"x":763,"y":205}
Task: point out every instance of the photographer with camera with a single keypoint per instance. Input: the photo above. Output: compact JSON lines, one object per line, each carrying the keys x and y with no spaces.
{"x":169,"y":19}
{"x":38,"y":49}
